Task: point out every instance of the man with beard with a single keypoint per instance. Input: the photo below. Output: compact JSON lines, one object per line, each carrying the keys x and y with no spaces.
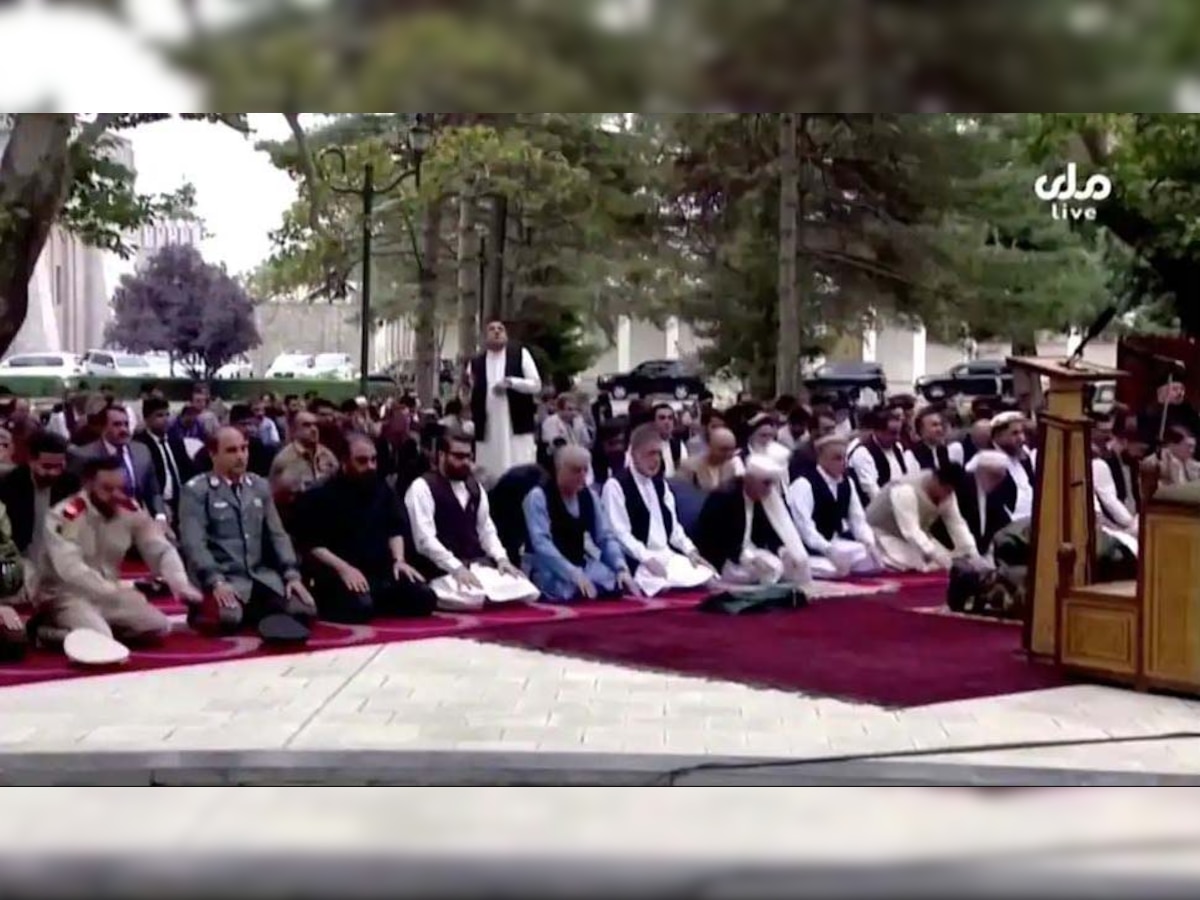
{"x":401,"y":461}
{"x":353,"y":527}
{"x":1008,"y":436}
{"x":305,"y":462}
{"x":609,"y":454}
{"x":879,"y":458}
{"x":716,"y":464}
{"x":986,"y":497}
{"x":1116,"y":482}
{"x":457,"y":547}
{"x":260,"y":456}
{"x":978,"y":437}
{"x":87,"y":539}
{"x":237,"y":550}
{"x":28,"y":493}
{"x":906,"y":511}
{"x":504,"y":386}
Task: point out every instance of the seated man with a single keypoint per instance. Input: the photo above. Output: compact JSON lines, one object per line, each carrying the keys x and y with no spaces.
{"x":1009,"y":437}
{"x":12,"y":593}
{"x":459,"y":550}
{"x":878,"y":458}
{"x":87,"y":538}
{"x":714,"y":466}
{"x":29,"y":491}
{"x":986,"y":497}
{"x":1115,"y":480}
{"x":641,"y":508}
{"x":905,"y":511}
{"x":236,"y":548}
{"x":353,"y":526}
{"x":746,"y":531}
{"x":977,"y":437}
{"x":830,"y":516}
{"x":1179,"y":464}
{"x":573,"y":552}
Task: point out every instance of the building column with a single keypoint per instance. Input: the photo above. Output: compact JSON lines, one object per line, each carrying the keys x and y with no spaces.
{"x":672,"y":336}
{"x":918,"y":348}
{"x":624,"y":343}
{"x":870,"y":344}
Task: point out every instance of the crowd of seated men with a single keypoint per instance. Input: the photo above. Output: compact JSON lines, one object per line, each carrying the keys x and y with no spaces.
{"x":297,"y":510}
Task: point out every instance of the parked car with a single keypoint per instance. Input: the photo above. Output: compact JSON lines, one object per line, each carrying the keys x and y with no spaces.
{"x":337,"y":366}
{"x":43,"y":365}
{"x":655,"y":377}
{"x":849,"y":380}
{"x":291,"y":365}
{"x":239,"y":367}
{"x":977,"y":378}
{"x":115,"y":363}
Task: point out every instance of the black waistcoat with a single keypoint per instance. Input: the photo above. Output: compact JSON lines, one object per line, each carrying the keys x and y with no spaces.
{"x":831,"y":514}
{"x":568,"y":531}
{"x":521,"y":407}
{"x":457,"y":526}
{"x":636,"y":509}
{"x":927,"y":458}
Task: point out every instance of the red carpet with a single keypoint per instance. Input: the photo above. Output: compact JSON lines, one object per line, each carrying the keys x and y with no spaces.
{"x":874,"y":649}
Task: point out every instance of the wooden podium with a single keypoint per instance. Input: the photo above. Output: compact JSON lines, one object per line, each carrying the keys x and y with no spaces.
{"x":1063,"y":505}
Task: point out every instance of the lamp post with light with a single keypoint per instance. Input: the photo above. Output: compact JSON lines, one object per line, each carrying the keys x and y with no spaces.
{"x":415,"y":145}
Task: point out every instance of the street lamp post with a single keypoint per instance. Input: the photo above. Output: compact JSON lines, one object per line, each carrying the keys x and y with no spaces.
{"x":416,"y":144}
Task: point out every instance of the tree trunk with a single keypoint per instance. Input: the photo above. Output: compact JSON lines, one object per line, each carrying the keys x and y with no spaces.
{"x":493,"y":304}
{"x":426,"y":331}
{"x":35,"y":180}
{"x":788,"y":343}
{"x":468,"y":306}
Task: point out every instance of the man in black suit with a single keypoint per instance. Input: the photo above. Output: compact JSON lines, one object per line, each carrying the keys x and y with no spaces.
{"x":172,"y":465}
{"x":30,"y":490}
{"x":137,"y":466}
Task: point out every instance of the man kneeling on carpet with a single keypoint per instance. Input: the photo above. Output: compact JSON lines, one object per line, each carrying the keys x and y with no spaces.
{"x":87,"y":537}
{"x":454,"y":536}
{"x":903,"y":513}
{"x":830,"y":517}
{"x":746,"y":531}
{"x":353,"y":526}
{"x":238,"y":551}
{"x":641,"y":507}
{"x":572,"y":551}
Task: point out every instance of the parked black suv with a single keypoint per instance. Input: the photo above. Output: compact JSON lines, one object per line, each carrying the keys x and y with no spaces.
{"x":848,"y":380}
{"x":977,"y":378}
{"x":672,"y":377}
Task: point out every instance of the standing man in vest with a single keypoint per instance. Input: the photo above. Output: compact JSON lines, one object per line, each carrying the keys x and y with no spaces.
{"x":504,"y":387}
{"x":746,"y":531}
{"x":1008,"y":436}
{"x":930,"y":450}
{"x":455,"y":538}
{"x":906,"y":511}
{"x":830,"y":516}
{"x":573,"y":552}
{"x":641,"y":508}
{"x":1116,"y":483}
{"x":879,"y":458}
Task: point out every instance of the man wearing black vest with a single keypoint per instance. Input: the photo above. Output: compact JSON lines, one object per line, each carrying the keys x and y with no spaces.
{"x":457,"y":547}
{"x":573,"y":552}
{"x":977,"y":437}
{"x":504,"y":387}
{"x":1115,"y":479}
{"x":1008,"y":436}
{"x":930,"y":450}
{"x":746,"y":532}
{"x":641,"y":508}
{"x":674,"y":450}
{"x":986,"y":497}
{"x":829,"y":515}
{"x":878,"y":457}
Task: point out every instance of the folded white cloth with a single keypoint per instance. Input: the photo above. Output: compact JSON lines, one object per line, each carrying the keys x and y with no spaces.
{"x":496,"y":587}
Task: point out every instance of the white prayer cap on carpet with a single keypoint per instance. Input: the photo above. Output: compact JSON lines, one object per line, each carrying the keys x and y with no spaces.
{"x":988,"y":459}
{"x":1007,"y":418}
{"x":763,"y":465}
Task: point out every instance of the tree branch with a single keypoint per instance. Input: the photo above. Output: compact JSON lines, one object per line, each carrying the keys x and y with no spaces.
{"x":95,"y":129}
{"x":311,"y":177}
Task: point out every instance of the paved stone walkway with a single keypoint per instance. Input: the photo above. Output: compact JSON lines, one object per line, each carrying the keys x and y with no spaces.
{"x":457,"y":694}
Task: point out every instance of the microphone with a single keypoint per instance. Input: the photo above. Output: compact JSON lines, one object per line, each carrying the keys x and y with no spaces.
{"x":1167,"y":362}
{"x":1102,"y":321}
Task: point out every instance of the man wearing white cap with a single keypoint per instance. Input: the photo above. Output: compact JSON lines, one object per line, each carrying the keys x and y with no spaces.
{"x":746,"y":531}
{"x":978,"y":437}
{"x":641,"y":508}
{"x":1008,"y":436}
{"x":986,"y":497}
{"x":906,"y":511}
{"x":829,"y":515}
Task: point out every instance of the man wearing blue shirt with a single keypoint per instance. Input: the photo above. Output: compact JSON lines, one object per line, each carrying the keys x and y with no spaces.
{"x":572,"y":551}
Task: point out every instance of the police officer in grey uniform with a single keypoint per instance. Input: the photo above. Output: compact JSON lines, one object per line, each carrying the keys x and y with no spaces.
{"x":226,"y":519}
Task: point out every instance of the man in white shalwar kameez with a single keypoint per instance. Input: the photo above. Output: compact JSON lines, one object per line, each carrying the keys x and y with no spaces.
{"x":641,"y":509}
{"x":505,"y":385}
{"x":903,"y":513}
{"x":457,"y":547}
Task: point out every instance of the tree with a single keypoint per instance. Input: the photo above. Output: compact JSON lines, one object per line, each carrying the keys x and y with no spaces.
{"x":191,"y":309}
{"x":57,"y":168}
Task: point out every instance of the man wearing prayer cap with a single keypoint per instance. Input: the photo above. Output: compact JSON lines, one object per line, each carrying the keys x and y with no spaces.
{"x":829,"y":515}
{"x":1008,"y":436}
{"x":641,"y":509}
{"x":905,"y":512}
{"x":746,"y":531}
{"x":986,"y":497}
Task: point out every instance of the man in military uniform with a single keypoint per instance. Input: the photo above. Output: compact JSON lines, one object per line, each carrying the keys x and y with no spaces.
{"x":87,"y":537}
{"x":226,"y":518}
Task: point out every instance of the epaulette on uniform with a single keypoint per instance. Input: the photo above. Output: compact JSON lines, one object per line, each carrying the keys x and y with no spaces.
{"x":196,"y":481}
{"x":74,"y":508}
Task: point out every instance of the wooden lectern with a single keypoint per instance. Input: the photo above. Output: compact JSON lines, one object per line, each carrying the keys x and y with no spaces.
{"x":1063,"y":504}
